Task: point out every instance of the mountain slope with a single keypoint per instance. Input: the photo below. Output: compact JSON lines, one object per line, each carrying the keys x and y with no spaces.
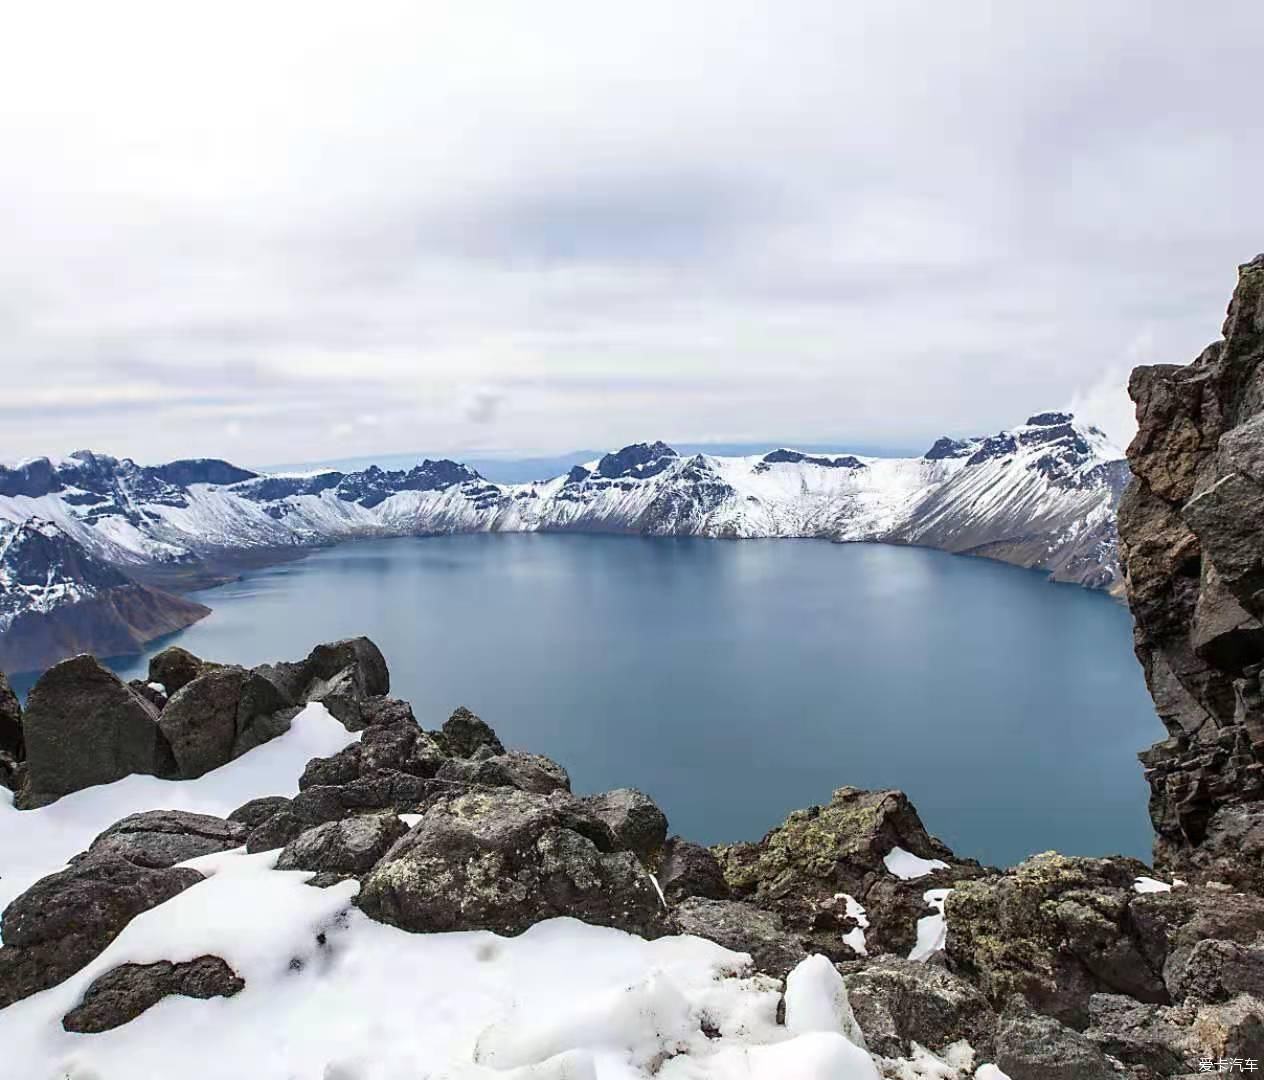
{"x":1041,"y":495}
{"x":56,"y":600}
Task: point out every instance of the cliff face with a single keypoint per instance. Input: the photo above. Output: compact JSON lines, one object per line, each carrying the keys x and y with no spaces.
{"x":1191,"y":529}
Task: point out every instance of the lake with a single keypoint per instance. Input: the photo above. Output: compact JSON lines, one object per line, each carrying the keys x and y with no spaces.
{"x":736,"y":680}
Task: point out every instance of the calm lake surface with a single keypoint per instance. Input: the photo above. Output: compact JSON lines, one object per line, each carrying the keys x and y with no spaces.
{"x":735,"y":681}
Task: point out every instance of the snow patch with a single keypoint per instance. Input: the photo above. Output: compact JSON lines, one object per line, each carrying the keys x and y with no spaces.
{"x":932,"y":930}
{"x":1151,"y":885}
{"x":909,"y":867}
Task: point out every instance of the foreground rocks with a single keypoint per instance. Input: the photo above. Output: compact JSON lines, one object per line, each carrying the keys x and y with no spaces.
{"x":502,"y":860}
{"x":125,"y":992}
{"x":84,"y":726}
{"x":66,"y":919}
{"x":806,"y":868}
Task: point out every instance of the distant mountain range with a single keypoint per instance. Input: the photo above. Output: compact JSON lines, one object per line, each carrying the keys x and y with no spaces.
{"x":92,"y":548}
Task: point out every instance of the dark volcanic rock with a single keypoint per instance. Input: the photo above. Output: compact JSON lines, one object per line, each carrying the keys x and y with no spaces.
{"x":743,"y":928}
{"x":10,"y":721}
{"x":464,"y":734}
{"x":501,"y":859}
{"x":1034,"y":1047}
{"x":124,"y":993}
{"x":161,"y":838}
{"x":257,"y":811}
{"x":174,"y":668}
{"x":349,"y":846}
{"x":219,"y":715}
{"x":1191,"y":539}
{"x":64,"y":920}
{"x":898,"y":1002}
{"x":689,"y":869}
{"x":341,"y":675}
{"x":1056,"y":930}
{"x":84,"y":726}
{"x":802,"y":868}
{"x":514,"y":768}
{"x":633,"y":817}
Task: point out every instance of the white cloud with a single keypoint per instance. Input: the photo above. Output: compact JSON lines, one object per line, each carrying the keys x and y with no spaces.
{"x":575,"y":225}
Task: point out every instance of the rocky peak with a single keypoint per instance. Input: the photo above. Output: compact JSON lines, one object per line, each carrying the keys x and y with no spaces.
{"x":794,"y":457}
{"x":1049,"y":419}
{"x":637,"y":461}
{"x":946,"y":447}
{"x":42,"y":567}
{"x":1190,"y":532}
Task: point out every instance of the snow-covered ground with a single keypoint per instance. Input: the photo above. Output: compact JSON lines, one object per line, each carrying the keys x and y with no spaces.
{"x":332,"y":995}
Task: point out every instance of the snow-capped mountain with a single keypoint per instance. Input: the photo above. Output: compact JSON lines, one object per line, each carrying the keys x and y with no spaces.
{"x":56,"y":598}
{"x":1040,"y":495}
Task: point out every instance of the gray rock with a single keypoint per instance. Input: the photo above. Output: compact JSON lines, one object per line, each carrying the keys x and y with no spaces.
{"x":161,"y":838}
{"x":635,"y":820}
{"x":500,"y":859}
{"x":742,"y":928}
{"x":349,"y":846}
{"x":1216,"y":971}
{"x":1056,"y":930}
{"x":10,"y":721}
{"x":1190,"y":535}
{"x":898,"y":1002}
{"x":276,"y":831}
{"x":1034,"y":1047}
{"x":464,"y":734}
{"x":83,"y":726}
{"x":514,"y":768}
{"x":123,"y":993}
{"x":221,"y":714}
{"x":689,"y":869}
{"x":802,"y":866}
{"x":174,"y":668}
{"x":341,"y":675}
{"x":380,"y":710}
{"x":257,"y":811}
{"x":64,"y":920}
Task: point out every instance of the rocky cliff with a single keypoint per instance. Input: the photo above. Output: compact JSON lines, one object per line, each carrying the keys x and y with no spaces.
{"x":1193,"y":549}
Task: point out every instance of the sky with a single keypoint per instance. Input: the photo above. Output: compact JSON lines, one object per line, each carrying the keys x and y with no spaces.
{"x":304,"y":231}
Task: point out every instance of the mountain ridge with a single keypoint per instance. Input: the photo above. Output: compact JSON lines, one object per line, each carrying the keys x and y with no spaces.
{"x":1040,"y":495}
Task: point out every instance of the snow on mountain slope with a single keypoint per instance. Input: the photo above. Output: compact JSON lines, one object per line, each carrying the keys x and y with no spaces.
{"x":1041,"y":495}
{"x":57,"y":598}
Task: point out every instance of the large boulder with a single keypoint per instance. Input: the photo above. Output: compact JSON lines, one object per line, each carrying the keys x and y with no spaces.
{"x":465,"y":735}
{"x":743,"y":928}
{"x":1030,"y":1046}
{"x":219,"y":715}
{"x":861,"y":840}
{"x":1055,"y":930}
{"x":635,"y":820}
{"x":84,"y":726}
{"x":174,"y":668}
{"x":500,"y":859}
{"x":66,"y":919}
{"x":1193,"y":548}
{"x":10,"y":721}
{"x":689,"y":869}
{"x":341,"y":675}
{"x":348,"y":847}
{"x":161,"y":838}
{"x":123,"y":993}
{"x":513,"y":768}
{"x":899,"y":1002}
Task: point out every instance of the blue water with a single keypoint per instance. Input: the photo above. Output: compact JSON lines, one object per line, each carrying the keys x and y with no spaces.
{"x":735,"y":681}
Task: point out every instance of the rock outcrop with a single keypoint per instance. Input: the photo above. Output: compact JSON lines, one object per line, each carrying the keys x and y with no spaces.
{"x":501,"y":859}
{"x":1193,"y":549}
{"x":84,"y":726}
{"x":806,"y":869}
{"x":122,"y":994}
{"x":66,"y":919}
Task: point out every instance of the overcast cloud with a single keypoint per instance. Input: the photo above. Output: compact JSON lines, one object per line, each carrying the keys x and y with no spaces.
{"x":278,"y":232}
